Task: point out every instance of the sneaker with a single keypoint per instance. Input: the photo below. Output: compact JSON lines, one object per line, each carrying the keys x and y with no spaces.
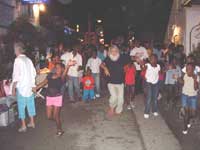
{"x":22,"y":129}
{"x":146,"y":116}
{"x":155,"y":114}
{"x":132,"y":105}
{"x":97,"y":95}
{"x":129,"y":107}
{"x":31,"y":125}
{"x":189,"y":125}
{"x":72,"y":100}
{"x":185,"y":132}
{"x":59,"y":133}
{"x":159,"y":96}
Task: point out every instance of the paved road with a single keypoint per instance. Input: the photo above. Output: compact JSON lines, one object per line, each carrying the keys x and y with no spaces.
{"x":86,"y":128}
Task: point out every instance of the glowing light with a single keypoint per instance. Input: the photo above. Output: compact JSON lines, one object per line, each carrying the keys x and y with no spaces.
{"x":36,"y":8}
{"x":176,"y":38}
{"x":77,"y":28}
{"x":101,"y":41}
{"x":106,"y":45}
{"x":42,"y":7}
{"x":177,"y":31}
{"x":36,"y":14}
{"x":99,"y":21}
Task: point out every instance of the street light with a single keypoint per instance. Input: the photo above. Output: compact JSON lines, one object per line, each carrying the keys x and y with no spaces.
{"x":99,"y":21}
{"x":77,"y":28}
{"x":36,"y":14}
{"x":37,"y":8}
{"x":42,"y":7}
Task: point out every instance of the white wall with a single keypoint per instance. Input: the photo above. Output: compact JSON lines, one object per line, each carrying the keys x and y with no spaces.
{"x":192,"y":19}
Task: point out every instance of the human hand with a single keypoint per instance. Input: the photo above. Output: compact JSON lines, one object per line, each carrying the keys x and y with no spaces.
{"x":14,"y":92}
{"x":71,"y":63}
{"x":34,"y":89}
{"x":107,"y":73}
{"x":194,"y":77}
{"x":175,"y":76}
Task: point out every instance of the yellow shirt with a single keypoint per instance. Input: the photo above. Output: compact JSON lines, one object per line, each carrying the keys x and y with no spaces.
{"x":188,"y":87}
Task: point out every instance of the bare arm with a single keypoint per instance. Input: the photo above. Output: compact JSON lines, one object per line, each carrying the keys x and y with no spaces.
{"x":40,"y":85}
{"x":143,"y":66}
{"x":65,"y":72}
{"x":196,"y":85}
{"x":14,"y":88}
{"x":180,"y":80}
{"x":106,"y":71}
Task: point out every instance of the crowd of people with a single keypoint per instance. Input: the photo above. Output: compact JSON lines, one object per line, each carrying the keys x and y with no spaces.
{"x":128,"y":68}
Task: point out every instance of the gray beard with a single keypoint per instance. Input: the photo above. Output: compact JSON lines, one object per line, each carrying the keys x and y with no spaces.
{"x":114,"y":58}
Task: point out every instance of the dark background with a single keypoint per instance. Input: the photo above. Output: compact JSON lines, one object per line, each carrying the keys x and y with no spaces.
{"x":147,"y":18}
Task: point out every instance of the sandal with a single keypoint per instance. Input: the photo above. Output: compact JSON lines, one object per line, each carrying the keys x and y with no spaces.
{"x":60,"y":133}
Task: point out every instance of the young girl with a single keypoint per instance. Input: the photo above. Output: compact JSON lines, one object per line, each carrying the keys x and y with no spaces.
{"x":152,"y":80}
{"x":88,"y":86}
{"x":189,"y":95}
{"x":54,"y":96}
{"x":130,"y":72}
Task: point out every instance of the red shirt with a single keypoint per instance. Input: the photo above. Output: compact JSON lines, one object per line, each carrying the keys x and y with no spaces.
{"x":88,"y":82}
{"x":130,"y":75}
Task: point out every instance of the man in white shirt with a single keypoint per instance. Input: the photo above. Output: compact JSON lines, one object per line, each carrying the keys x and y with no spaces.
{"x":94,"y":64}
{"x":23,"y":81}
{"x":74,"y":59}
{"x":64,"y":56}
{"x":138,"y":54}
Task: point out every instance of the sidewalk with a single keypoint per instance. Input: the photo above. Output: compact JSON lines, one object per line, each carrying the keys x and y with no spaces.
{"x":155,"y":132}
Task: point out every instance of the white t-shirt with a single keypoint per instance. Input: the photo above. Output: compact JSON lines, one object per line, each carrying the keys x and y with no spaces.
{"x":94,"y":64}
{"x":188,"y":87}
{"x":64,"y":57}
{"x":196,"y":70}
{"x":152,"y":73}
{"x":77,"y":61}
{"x":140,"y":53}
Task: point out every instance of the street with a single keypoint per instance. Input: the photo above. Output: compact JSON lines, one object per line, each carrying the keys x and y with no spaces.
{"x":87,"y":127}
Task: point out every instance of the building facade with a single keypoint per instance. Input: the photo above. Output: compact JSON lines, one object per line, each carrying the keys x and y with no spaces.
{"x":184,"y":24}
{"x":9,"y":11}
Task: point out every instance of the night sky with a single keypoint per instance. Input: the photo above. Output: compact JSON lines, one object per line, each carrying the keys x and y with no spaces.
{"x":144,"y":16}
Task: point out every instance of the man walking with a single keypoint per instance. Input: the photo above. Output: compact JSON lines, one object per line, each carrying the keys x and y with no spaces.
{"x":23,"y":81}
{"x":114,"y":68}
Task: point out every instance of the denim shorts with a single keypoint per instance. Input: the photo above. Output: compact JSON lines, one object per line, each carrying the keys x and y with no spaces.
{"x":189,"y":101}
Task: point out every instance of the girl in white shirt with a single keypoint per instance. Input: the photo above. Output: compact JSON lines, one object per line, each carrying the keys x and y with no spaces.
{"x":152,"y":77}
{"x":189,"y":95}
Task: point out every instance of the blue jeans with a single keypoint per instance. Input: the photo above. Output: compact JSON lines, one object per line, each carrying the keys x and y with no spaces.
{"x":96,"y":77}
{"x":73,"y":82}
{"x":189,"y":101}
{"x":151,"y":99}
{"x":88,"y":95}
